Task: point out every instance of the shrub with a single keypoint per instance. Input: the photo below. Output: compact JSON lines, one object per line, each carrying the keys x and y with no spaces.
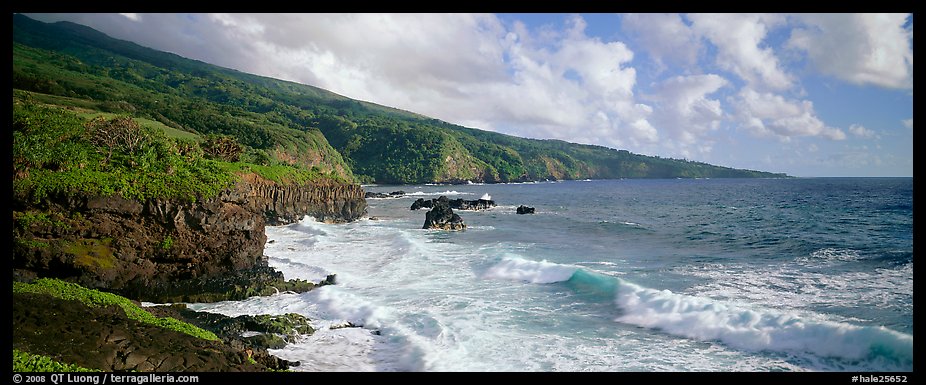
{"x":223,"y":148}
{"x":31,"y":363}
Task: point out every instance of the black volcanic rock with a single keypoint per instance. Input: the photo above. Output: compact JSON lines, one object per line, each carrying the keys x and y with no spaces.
{"x":442,"y":217}
{"x":169,"y":249}
{"x":479,"y":204}
{"x":458,"y":204}
{"x":394,"y":194}
{"x":421,"y":202}
{"x":522,"y":209}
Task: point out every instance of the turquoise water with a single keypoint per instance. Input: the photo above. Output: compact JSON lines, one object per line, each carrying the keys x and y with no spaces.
{"x":616,"y":275}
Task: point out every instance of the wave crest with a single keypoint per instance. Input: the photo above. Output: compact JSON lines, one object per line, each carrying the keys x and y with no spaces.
{"x":520,"y":269}
{"x":756,"y":330}
{"x":706,"y":319}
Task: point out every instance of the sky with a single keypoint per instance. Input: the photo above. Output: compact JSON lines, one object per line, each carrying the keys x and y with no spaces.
{"x":802,"y":94}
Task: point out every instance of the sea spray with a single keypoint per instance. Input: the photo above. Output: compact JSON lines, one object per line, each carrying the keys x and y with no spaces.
{"x":519,"y":269}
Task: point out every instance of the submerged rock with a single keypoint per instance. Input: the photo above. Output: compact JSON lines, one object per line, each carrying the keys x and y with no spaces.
{"x":442,"y":217}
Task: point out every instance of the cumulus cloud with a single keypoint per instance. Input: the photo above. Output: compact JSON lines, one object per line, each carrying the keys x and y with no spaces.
{"x":713,"y":74}
{"x":863,"y":48}
{"x":468,"y":69}
{"x":740,"y":49}
{"x":768,"y":114}
{"x":666,"y":37}
{"x":684,"y":110}
{"x":862,"y":132}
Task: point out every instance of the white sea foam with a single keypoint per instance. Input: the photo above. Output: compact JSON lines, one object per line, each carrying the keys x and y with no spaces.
{"x":790,"y":287}
{"x":737,"y":325}
{"x":448,"y":192}
{"x":486,"y":196}
{"x":758,"y":330}
{"x":439,"y":308}
{"x":829,"y":257}
{"x":519,"y":269}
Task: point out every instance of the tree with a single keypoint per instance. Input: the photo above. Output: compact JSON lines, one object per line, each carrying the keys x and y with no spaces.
{"x":223,"y":147}
{"x":119,"y":133}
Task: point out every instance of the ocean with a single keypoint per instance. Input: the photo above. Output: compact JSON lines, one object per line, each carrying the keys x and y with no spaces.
{"x":802,"y":274}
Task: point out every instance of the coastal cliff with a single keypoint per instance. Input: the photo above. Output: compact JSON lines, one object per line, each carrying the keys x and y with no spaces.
{"x":171,"y":249}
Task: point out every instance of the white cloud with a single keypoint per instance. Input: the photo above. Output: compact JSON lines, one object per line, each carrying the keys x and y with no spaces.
{"x":665,"y":37}
{"x":739,"y":41}
{"x":714,"y":74}
{"x":768,"y":114}
{"x":547,"y":83}
{"x":862,"y":132}
{"x":468,"y":69}
{"x":908,"y":123}
{"x":683,"y":110}
{"x":859,"y":48}
{"x":131,"y":16}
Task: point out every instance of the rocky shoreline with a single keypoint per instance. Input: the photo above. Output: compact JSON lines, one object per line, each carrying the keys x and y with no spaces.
{"x":170,"y":250}
{"x":164,"y":251}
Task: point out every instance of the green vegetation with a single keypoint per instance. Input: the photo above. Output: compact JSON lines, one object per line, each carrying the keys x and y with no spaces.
{"x":55,"y":151}
{"x":238,"y":117}
{"x":28,"y":362}
{"x":27,"y":219}
{"x":167,"y":243}
{"x":94,"y":298}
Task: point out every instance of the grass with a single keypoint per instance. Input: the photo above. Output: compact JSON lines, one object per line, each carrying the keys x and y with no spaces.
{"x":94,"y":298}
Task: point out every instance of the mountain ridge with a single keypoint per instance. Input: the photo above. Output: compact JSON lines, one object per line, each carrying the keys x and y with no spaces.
{"x":308,"y":126}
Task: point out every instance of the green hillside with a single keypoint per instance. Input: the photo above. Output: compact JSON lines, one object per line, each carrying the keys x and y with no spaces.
{"x":286,"y":123}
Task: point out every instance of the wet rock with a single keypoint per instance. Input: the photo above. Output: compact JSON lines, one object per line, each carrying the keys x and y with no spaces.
{"x":329,"y":280}
{"x":259,"y":280}
{"x":344,"y":325}
{"x":442,"y":217}
{"x":522,"y":209}
{"x":394,"y":194}
{"x":422,"y":203}
{"x":288,"y":327}
{"x":456,"y":204}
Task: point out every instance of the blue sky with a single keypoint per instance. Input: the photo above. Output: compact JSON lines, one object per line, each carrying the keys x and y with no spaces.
{"x":803,"y":94}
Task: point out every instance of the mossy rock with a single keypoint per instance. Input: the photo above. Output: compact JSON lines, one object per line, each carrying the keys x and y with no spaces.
{"x":92,"y":253}
{"x":94,"y":298}
{"x":288,"y":325}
